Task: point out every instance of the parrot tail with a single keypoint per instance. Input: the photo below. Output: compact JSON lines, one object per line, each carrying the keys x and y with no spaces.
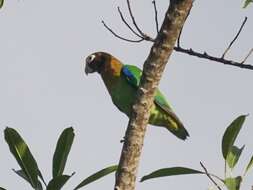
{"x":164,"y":117}
{"x":175,"y":126}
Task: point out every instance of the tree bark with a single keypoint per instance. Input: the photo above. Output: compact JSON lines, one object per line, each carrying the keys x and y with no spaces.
{"x":152,"y":72}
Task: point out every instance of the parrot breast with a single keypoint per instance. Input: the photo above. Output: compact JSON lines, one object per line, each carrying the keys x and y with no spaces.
{"x":121,"y":92}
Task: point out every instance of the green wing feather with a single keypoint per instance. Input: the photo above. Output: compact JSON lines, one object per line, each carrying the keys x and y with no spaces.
{"x":134,"y":79}
{"x":133,"y":76}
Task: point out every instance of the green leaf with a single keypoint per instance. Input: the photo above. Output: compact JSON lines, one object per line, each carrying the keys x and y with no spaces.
{"x":97,"y":176}
{"x":22,"y":174}
{"x":234,"y":155}
{"x":233,"y":183}
{"x":62,"y":151}
{"x":249,"y":166}
{"x":2,"y":188}
{"x":230,"y":135}
{"x":22,"y":154}
{"x":246,"y":3}
{"x":41,"y":177}
{"x":58,"y":182}
{"x":1,"y":3}
{"x":39,"y":186}
{"x":170,"y":172}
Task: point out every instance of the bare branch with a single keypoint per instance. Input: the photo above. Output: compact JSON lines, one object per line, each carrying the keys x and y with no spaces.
{"x":141,"y":35}
{"x":133,"y":19}
{"x":250,"y":52}
{"x":213,"y":58}
{"x":209,"y":176}
{"x":126,"y":23}
{"x":156,"y":19}
{"x":178,"y":48}
{"x":236,"y":36}
{"x":120,"y":37}
{"x":145,"y":36}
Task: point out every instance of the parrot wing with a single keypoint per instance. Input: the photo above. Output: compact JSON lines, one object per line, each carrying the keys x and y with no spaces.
{"x":133,"y":76}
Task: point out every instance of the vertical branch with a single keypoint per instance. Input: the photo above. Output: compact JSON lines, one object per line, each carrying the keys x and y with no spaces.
{"x":156,"y":19}
{"x":152,"y":72}
{"x":236,"y":36}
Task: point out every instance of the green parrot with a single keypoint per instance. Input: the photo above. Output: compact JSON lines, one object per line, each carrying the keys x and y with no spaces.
{"x":122,"y":82}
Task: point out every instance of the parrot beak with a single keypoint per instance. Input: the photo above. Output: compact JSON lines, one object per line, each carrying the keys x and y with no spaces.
{"x":88,"y":69}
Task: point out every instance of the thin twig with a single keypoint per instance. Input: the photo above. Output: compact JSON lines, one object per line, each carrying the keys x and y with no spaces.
{"x":236,"y":36}
{"x":250,"y":52}
{"x":192,"y":52}
{"x":133,"y":19}
{"x":126,"y":23}
{"x":144,"y":36}
{"x":156,"y":19}
{"x":213,"y":58}
{"x":120,"y":37}
{"x":179,"y":37}
{"x":178,"y":48}
{"x":209,"y":176}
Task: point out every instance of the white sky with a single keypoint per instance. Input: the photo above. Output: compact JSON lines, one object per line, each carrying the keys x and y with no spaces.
{"x":44,"y":90}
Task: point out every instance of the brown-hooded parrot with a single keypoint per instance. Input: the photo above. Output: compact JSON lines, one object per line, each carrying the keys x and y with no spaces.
{"x":122,"y":82}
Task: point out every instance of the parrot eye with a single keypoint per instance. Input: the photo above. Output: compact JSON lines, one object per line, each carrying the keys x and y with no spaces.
{"x":90,"y":58}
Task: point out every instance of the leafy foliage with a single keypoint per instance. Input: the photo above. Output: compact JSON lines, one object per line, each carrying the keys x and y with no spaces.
{"x":21,"y":174}
{"x":57,"y":182}
{"x":1,"y":3}
{"x":61,"y":153}
{"x":246,"y":3}
{"x":97,"y":176}
{"x":230,"y":135}
{"x":29,"y":168}
{"x":30,"y":172}
{"x":233,"y":183}
{"x":169,"y":172}
{"x":24,"y":157}
{"x":231,"y":154}
{"x":249,"y":166}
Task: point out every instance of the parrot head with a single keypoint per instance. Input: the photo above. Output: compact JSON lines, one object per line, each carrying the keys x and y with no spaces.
{"x":95,"y":62}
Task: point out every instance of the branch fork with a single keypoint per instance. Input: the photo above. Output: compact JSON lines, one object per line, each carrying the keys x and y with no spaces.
{"x":144,"y":37}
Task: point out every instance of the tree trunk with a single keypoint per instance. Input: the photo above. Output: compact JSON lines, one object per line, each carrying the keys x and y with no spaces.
{"x":152,"y":72}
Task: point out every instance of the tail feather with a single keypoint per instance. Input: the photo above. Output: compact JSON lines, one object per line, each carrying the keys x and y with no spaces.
{"x":175,"y":126}
{"x":168,"y":119}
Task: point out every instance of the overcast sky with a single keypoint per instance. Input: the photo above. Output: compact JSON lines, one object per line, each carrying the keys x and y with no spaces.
{"x":43,"y":45}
